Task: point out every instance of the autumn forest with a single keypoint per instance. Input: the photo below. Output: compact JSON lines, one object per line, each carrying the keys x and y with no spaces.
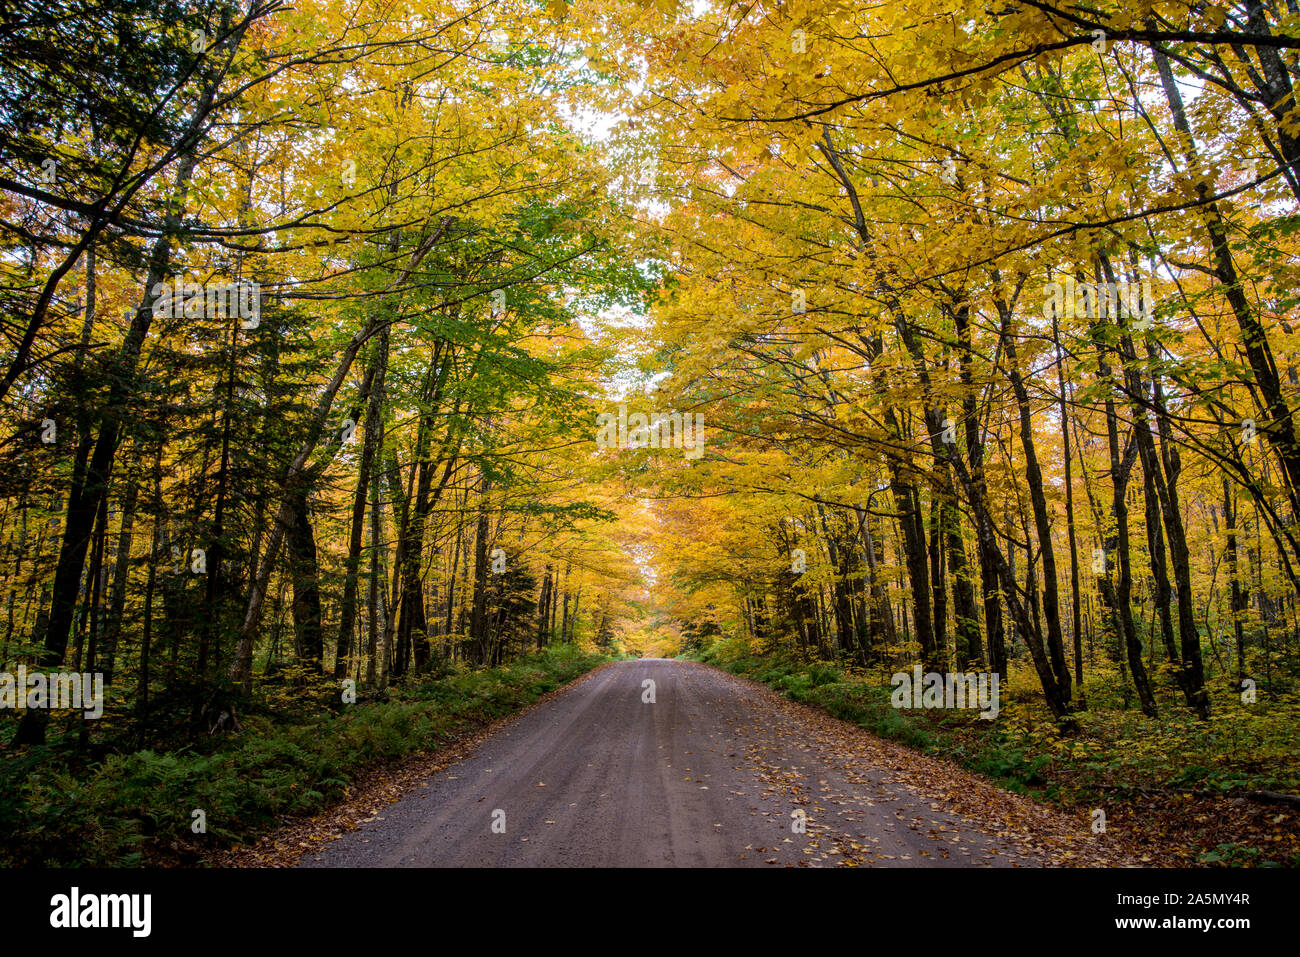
{"x":374,"y":367}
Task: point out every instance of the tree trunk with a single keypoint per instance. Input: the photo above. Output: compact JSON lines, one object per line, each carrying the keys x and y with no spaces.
{"x":308,"y":633}
{"x":1076,"y":616}
{"x":1042,"y":522}
{"x":374,"y":428}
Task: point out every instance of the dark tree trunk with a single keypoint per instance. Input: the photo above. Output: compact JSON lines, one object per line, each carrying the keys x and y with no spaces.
{"x":1240,"y":596}
{"x":1042,"y":522}
{"x":543,"y":602}
{"x":352,"y":564}
{"x":301,"y":541}
{"x":121,"y":573}
{"x":995,"y":639}
{"x":1076,"y":617}
{"x":478,"y":619}
{"x":84,"y":496}
{"x":1118,"y":596}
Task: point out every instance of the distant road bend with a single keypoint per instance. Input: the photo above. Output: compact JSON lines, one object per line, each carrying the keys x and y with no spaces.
{"x":717,"y":771}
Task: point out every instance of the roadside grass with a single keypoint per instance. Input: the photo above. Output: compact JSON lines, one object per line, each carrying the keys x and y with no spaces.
{"x":1175,"y":782}
{"x":129,"y":809}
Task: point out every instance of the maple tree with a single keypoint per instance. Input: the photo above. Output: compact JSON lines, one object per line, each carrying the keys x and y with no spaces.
{"x":422,"y":228}
{"x":989,"y":322}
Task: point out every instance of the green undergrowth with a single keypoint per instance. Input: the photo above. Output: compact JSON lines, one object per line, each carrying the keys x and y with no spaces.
{"x":1116,"y":753}
{"x":134,"y":808}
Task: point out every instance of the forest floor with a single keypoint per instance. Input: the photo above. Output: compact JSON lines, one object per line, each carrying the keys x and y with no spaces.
{"x":716,"y":771}
{"x":298,"y":752}
{"x":384,"y":785}
{"x":1178,"y":792}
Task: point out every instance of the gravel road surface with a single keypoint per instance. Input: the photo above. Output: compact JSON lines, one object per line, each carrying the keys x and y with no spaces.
{"x":717,"y":771}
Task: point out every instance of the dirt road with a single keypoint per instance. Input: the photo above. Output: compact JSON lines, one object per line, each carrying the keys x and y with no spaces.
{"x":717,"y":771}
